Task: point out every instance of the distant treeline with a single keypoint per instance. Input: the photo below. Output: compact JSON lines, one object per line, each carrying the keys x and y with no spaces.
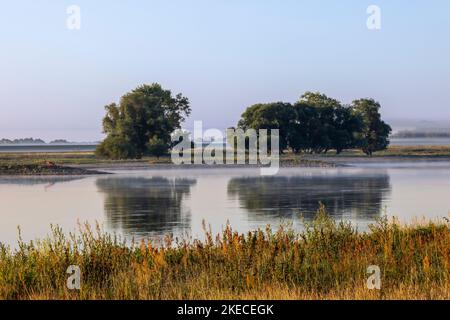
{"x":421,"y":134}
{"x":30,"y":141}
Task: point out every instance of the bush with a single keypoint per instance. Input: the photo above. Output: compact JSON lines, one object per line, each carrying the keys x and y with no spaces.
{"x":116,"y":147}
{"x":157,"y":147}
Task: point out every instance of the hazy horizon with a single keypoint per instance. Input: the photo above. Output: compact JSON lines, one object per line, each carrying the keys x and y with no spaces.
{"x":224,"y":56}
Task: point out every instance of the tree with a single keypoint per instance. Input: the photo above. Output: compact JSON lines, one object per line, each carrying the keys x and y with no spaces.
{"x":323,"y":123}
{"x":317,"y":123}
{"x":374,"y":135}
{"x":116,"y":147}
{"x":142,"y":123}
{"x":347,"y":127}
{"x":278,"y":115}
{"x":317,"y":113}
{"x":157,"y":146}
{"x":304,"y":128}
{"x":323,"y":126}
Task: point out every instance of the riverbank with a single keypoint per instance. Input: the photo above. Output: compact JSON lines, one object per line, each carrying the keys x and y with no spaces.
{"x":326,"y":261}
{"x":73,"y":162}
{"x":44,"y":170}
{"x":86,"y":163}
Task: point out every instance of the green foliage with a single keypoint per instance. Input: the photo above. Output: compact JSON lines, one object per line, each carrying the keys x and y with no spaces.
{"x":277,"y":115}
{"x":157,"y":146}
{"x":317,"y":124}
{"x":375,"y":132}
{"x":116,"y":147}
{"x":142,"y":123}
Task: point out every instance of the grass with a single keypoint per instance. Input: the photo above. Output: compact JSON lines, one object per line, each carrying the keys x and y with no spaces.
{"x":39,"y":169}
{"x":72,"y":158}
{"x":88,"y":158}
{"x":399,"y":151}
{"x":416,"y":151}
{"x":328,"y":260}
{"x":60,"y":158}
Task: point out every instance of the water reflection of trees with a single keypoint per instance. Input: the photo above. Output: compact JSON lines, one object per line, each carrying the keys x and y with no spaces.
{"x":146,"y":206}
{"x":286,"y":197}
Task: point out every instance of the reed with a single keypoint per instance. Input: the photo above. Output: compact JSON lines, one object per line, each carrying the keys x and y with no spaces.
{"x":328,"y":260}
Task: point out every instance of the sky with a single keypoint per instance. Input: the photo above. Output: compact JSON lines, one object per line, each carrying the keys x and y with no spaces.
{"x":224,"y":55}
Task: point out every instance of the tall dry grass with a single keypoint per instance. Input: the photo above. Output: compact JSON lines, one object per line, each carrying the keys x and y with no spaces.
{"x":326,"y":261}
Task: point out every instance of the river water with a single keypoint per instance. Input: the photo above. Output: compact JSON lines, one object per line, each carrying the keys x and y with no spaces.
{"x":154,"y":203}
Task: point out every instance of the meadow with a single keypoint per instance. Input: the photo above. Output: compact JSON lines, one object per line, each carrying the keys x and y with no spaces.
{"x":328,"y":260}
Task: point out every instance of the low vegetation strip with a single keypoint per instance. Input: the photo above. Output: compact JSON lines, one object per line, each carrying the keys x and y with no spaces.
{"x":37,"y":170}
{"x":326,"y":260}
{"x":88,"y":159}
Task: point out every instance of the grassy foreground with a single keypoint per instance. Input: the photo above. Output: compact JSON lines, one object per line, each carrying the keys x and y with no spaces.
{"x":328,"y":260}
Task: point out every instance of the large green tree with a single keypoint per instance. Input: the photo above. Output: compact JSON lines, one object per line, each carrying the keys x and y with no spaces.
{"x":317,"y":123}
{"x":374,"y":135}
{"x":347,"y":127}
{"x":304,"y":128}
{"x":142,"y":123}
{"x":320,"y":123}
{"x":278,"y":115}
{"x":323,"y":123}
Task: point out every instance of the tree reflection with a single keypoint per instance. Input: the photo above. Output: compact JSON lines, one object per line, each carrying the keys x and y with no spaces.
{"x":146,"y":206}
{"x":286,"y":197}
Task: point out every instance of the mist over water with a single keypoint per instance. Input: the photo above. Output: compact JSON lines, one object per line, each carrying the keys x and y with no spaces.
{"x":154,"y":203}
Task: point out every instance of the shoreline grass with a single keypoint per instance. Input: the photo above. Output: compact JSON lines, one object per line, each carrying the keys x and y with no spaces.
{"x":398,"y":151}
{"x":89,"y":160}
{"x":328,"y":260}
{"x":44,"y":170}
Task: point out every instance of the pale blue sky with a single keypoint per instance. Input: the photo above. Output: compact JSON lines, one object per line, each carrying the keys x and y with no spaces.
{"x":222,"y":54}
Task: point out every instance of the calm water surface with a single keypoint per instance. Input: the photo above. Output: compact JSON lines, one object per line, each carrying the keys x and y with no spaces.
{"x":154,"y":203}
